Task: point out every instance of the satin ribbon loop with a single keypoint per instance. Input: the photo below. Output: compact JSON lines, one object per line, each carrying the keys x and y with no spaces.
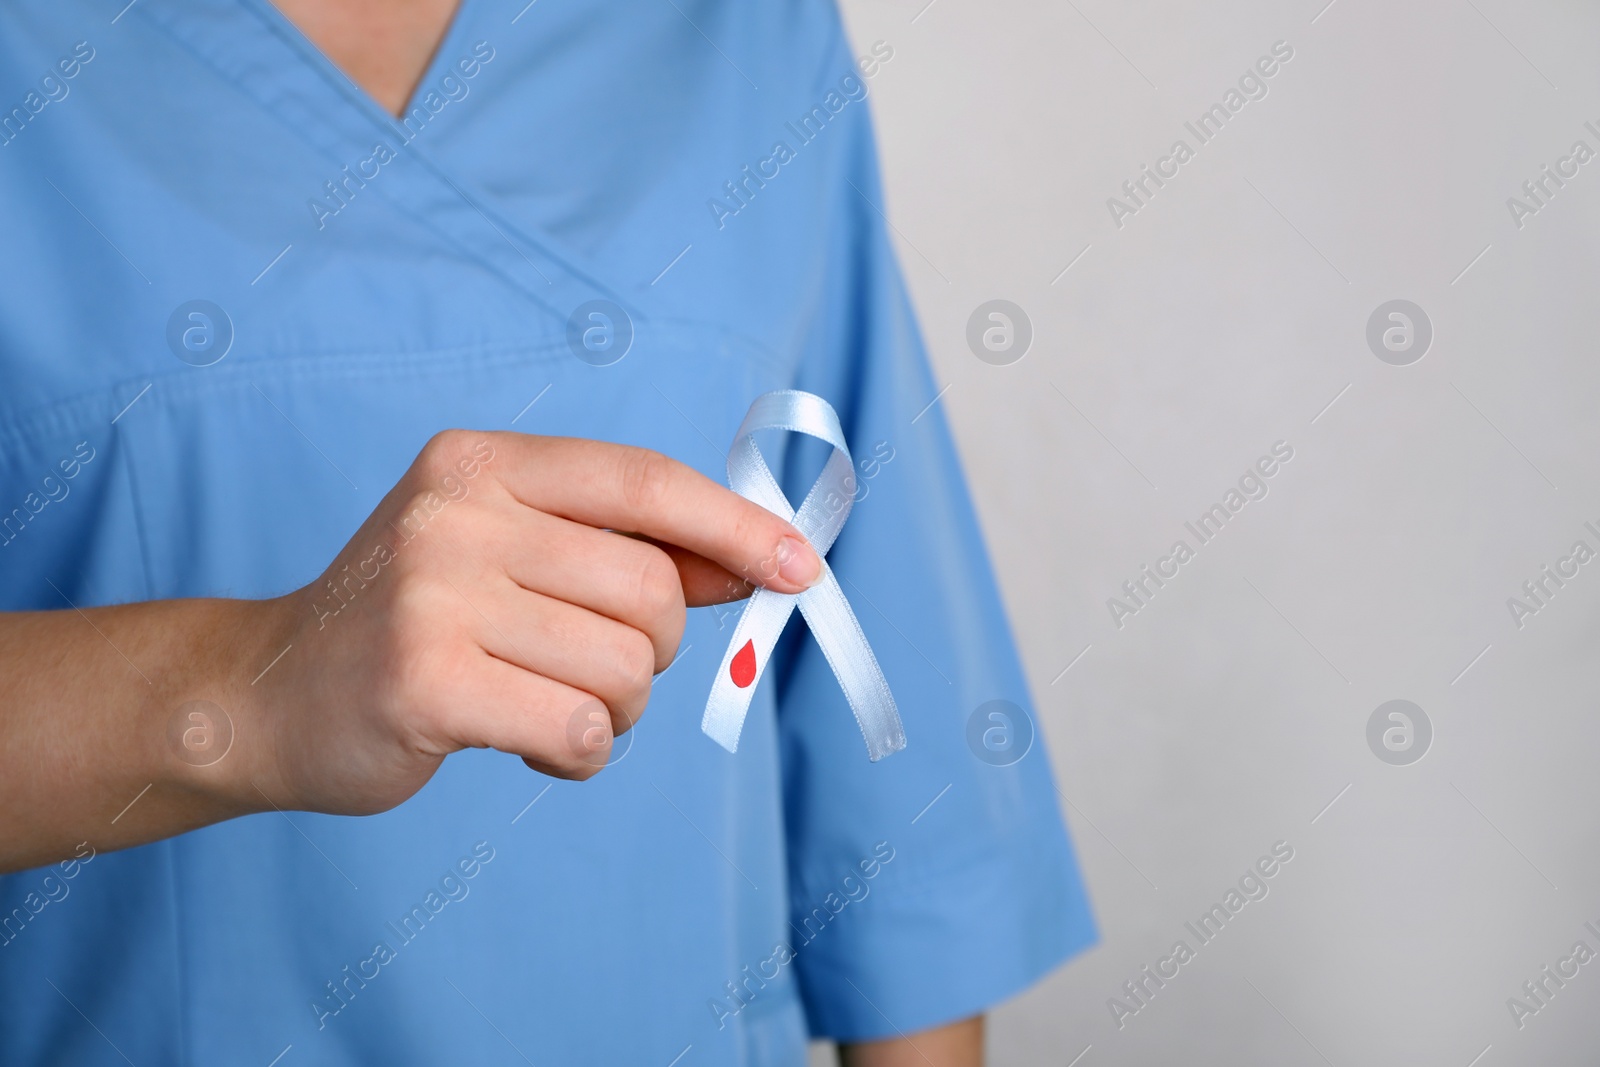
{"x":827,"y":613}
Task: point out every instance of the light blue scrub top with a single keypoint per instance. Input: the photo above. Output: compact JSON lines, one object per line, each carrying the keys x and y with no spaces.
{"x":685,"y":902}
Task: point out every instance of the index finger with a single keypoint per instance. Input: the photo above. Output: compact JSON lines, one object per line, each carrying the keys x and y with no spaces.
{"x":622,"y":487}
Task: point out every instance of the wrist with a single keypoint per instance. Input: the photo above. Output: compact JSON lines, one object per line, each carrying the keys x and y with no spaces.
{"x":217,"y":714}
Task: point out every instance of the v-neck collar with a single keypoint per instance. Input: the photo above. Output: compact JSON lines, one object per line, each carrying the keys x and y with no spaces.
{"x":254,"y":46}
{"x":438,"y":66}
{"x":449,"y":45}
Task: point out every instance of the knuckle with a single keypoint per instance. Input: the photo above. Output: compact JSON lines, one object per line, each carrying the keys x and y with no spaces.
{"x":412,"y":667}
{"x":636,"y":662}
{"x":419,"y":526}
{"x":438,"y":457}
{"x":415,"y":605}
{"x":411,"y":555}
{"x":448,"y":462}
{"x":422,"y":641}
{"x":642,"y":477}
{"x":656,"y":583}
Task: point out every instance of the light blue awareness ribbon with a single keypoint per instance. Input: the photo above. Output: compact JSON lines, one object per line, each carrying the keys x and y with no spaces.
{"x":824,"y":606}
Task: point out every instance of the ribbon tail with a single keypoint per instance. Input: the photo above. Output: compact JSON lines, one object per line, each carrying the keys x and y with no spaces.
{"x":839,"y":633}
{"x":759,"y":625}
{"x":831,"y":620}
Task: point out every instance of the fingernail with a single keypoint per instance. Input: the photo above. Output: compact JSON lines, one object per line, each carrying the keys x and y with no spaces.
{"x":798,"y":563}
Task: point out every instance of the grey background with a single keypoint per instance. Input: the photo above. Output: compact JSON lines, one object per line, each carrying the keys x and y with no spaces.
{"x":1223,"y":317}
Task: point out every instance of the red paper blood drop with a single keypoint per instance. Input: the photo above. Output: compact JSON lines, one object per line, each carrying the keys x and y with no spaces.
{"x":743,"y":668}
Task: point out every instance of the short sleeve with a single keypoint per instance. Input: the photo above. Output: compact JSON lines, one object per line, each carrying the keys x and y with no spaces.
{"x":931,"y":885}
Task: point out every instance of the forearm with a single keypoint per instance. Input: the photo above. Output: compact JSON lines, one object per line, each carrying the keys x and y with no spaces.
{"x":88,"y":723}
{"x":955,"y":1045}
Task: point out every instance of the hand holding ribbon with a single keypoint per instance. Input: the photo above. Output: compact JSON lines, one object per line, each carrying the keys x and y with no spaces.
{"x":826,"y":611}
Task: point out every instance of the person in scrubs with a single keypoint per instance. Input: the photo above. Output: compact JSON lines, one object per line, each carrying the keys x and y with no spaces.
{"x":367,"y":372}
